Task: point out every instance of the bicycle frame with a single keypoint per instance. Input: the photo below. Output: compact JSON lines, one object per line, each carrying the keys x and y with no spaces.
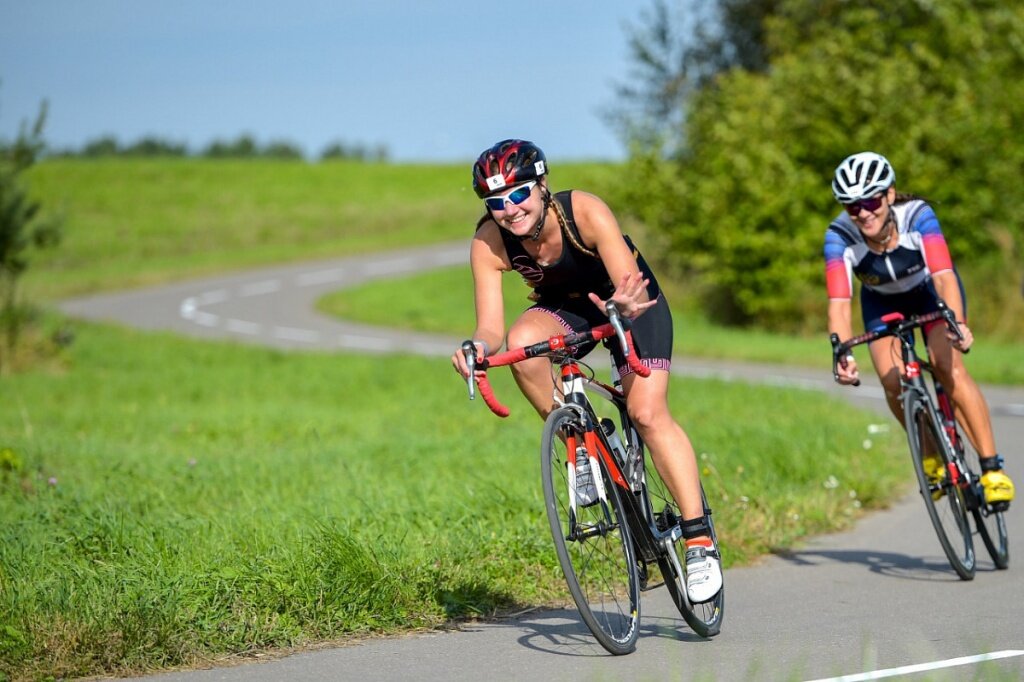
{"x":912,"y":380}
{"x":622,"y":516}
{"x":574,"y":387}
{"x":626,"y":475}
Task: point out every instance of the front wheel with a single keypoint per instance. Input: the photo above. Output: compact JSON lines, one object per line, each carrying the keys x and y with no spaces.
{"x":941,"y":490}
{"x":593,"y":542}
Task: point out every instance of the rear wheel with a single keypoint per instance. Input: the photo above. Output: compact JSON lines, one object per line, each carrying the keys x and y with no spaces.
{"x":704,"y":618}
{"x":593,"y":543}
{"x":943,"y":496}
{"x":991,"y":524}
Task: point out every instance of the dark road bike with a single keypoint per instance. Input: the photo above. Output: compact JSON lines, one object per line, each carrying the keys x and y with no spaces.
{"x":955,"y":495}
{"x":608,"y":546}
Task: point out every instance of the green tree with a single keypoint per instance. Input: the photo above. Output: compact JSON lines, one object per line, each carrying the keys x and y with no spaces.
{"x":679,"y":47}
{"x":743,"y":197}
{"x":23,"y":226}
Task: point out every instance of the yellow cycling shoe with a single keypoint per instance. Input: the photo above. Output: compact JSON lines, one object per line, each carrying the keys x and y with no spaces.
{"x":935,"y":472}
{"x":998,"y":488}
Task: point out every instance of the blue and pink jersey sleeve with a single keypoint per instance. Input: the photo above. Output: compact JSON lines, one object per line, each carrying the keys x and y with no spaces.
{"x":936,"y":252}
{"x":838,"y":275}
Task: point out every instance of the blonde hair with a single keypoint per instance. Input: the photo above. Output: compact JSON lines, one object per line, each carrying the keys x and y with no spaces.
{"x":563,"y":221}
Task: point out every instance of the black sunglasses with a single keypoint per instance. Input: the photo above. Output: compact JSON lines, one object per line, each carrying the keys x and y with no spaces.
{"x":871,"y":204}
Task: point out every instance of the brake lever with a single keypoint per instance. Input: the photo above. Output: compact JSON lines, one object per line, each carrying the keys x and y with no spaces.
{"x":469,"y":352}
{"x":951,"y":323}
{"x":616,"y":321}
{"x":837,"y":358}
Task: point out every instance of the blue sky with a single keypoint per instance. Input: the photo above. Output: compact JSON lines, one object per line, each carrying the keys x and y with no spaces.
{"x":432,"y":81}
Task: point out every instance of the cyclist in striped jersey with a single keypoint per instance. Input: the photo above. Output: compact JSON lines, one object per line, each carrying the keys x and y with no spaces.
{"x":893,"y":244}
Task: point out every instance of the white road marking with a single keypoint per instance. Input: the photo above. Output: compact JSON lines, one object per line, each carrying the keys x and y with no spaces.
{"x":923,"y":667}
{"x":205,"y":319}
{"x":242,"y":327}
{"x":320,"y":277}
{"x":268,"y":286}
{"x":388,"y":266}
{"x":377,"y":343}
{"x":214,"y":296}
{"x":187,"y":309}
{"x":295,"y":334}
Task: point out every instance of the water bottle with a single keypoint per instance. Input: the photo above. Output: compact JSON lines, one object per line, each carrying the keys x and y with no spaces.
{"x":608,"y":426}
{"x":586,"y":491}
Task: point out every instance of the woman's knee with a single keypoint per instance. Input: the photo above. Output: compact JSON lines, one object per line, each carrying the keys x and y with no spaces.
{"x":890,"y":381}
{"x":649,"y":415}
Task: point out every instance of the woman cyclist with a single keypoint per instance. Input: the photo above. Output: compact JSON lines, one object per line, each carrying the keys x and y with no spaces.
{"x":892,"y":242}
{"x":568,"y":247}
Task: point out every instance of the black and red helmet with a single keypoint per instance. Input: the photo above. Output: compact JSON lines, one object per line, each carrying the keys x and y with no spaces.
{"x":509,"y":162}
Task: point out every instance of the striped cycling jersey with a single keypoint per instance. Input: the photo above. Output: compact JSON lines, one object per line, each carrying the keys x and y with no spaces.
{"x":920,"y":253}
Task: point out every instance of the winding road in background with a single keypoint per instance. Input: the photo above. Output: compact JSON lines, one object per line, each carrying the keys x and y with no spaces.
{"x":879,"y":598}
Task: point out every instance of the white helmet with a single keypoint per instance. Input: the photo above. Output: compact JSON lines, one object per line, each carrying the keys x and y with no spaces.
{"x":861,"y":176}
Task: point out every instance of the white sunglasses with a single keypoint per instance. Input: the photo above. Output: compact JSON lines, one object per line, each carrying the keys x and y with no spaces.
{"x":516,"y":195}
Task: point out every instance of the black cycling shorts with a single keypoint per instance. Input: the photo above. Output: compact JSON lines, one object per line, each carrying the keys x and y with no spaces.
{"x":652,"y":331}
{"x":920,"y":300}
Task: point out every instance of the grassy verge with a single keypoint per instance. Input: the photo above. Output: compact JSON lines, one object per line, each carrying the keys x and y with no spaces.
{"x":132,"y":222}
{"x":444,"y":304}
{"x":167,"y":501}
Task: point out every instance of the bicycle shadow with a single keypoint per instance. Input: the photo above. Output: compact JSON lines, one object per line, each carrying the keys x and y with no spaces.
{"x":561,"y":632}
{"x":890,"y":564}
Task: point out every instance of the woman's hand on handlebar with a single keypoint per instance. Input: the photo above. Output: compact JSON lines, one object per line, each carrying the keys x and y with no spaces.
{"x":847,"y":373}
{"x":963,"y":341}
{"x":459,"y":357}
{"x":628,"y":296}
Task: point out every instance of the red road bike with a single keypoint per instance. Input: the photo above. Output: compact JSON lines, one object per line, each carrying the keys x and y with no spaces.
{"x":934,"y":428}
{"x":609,"y":537}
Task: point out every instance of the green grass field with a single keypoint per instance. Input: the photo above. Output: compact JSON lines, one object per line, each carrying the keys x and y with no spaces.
{"x":167,"y":501}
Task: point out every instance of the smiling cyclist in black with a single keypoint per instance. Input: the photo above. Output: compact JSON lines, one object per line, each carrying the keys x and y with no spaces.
{"x":569,"y":248}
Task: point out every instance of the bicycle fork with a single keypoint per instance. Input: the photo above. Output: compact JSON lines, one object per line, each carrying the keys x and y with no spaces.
{"x":913,"y":381}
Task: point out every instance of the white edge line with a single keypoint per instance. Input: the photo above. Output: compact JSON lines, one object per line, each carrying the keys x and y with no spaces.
{"x":242,"y":326}
{"x":268,"y":286}
{"x":923,"y":667}
{"x":295,"y":334}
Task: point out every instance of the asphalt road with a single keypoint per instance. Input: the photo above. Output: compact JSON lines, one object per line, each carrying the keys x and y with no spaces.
{"x":879,"y":598}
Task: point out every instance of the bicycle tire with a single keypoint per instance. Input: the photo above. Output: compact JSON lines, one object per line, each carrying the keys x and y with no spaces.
{"x":990,"y":523}
{"x":948,"y":513}
{"x":599,"y":567}
{"x":704,"y":618}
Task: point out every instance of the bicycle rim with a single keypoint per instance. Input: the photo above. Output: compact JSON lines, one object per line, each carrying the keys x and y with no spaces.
{"x":594,"y":546}
{"x":948,"y":513}
{"x":990,"y":524}
{"x":705,"y":618}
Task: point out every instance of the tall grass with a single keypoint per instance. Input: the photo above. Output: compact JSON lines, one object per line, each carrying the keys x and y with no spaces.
{"x":167,"y":501}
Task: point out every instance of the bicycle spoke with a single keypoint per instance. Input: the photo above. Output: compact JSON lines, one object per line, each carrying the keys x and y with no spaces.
{"x":597,"y":561}
{"x":941,"y":492}
{"x":990,"y":524}
{"x":705,"y":619}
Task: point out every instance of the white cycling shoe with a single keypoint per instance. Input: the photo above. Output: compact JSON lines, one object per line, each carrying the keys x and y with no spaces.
{"x":703,"y":573}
